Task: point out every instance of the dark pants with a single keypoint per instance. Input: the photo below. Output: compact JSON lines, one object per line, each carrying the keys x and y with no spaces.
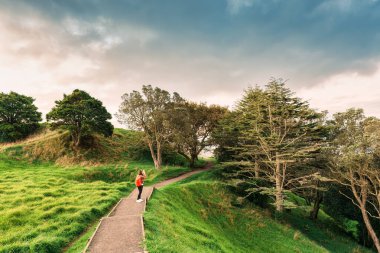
{"x":140,"y":191}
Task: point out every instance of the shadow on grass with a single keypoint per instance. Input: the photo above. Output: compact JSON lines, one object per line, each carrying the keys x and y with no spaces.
{"x":323,"y":231}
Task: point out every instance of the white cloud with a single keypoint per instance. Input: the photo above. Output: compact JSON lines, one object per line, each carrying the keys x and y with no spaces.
{"x":346,"y":90}
{"x":234,"y":6}
{"x":79,"y":27}
{"x":101,"y":34}
{"x":45,"y":59}
{"x":341,"y":5}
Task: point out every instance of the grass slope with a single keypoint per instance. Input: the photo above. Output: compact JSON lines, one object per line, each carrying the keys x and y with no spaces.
{"x":197,"y":216}
{"x":55,"y":146}
{"x":44,"y":206}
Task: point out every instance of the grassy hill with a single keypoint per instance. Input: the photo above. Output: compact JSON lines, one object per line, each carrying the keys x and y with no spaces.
{"x":45,"y":206}
{"x":55,"y":146}
{"x":197,"y":216}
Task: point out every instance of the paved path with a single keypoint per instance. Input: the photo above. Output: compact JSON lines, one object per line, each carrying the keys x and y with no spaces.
{"x":122,"y":231}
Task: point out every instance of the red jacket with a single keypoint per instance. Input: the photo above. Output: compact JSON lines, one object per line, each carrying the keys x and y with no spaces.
{"x":139,"y":180}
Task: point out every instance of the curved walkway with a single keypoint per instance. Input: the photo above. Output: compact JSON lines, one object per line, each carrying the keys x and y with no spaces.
{"x":122,"y":230}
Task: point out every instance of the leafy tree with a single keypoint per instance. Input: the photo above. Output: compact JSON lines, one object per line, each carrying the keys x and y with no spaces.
{"x":226,"y":136}
{"x":82,"y":115}
{"x":313,"y":189}
{"x":18,"y":116}
{"x":356,"y":163}
{"x":150,"y":112}
{"x":317,"y":163}
{"x":277,"y":132}
{"x":192,"y":125}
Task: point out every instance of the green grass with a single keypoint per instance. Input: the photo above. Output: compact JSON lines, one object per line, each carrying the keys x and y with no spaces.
{"x":56,"y":146}
{"x":196,"y":215}
{"x":45,"y":207}
{"x":79,"y":244}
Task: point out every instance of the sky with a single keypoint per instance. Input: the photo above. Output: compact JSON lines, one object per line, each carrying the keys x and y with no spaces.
{"x":207,"y":51}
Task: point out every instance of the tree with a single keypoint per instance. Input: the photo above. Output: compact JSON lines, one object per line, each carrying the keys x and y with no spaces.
{"x":192,"y":125}
{"x":18,"y":116}
{"x":277,"y":131}
{"x":356,"y":163}
{"x":313,"y":189}
{"x":317,"y":163}
{"x":82,"y":115}
{"x":149,"y":111}
{"x":226,"y":136}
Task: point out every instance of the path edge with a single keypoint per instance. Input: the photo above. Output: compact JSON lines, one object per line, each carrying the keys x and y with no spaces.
{"x":142,"y":215}
{"x":92,"y":236}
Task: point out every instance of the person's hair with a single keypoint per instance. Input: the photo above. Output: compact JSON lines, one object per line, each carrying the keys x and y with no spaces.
{"x":141,"y":172}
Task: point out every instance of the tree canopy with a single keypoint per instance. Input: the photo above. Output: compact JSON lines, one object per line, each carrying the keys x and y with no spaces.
{"x":193,"y":124}
{"x":276,"y":131}
{"x":19,"y":116}
{"x":82,"y":115}
{"x":356,"y":163}
{"x":150,"y":111}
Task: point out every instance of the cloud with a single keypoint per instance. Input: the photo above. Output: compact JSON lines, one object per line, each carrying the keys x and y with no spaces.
{"x":345,"y":6}
{"x":194,"y":47}
{"x":45,"y":59}
{"x":234,"y":6}
{"x":345,"y":90}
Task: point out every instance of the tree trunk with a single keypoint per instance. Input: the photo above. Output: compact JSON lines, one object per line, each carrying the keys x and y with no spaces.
{"x":77,"y":134}
{"x":193,"y":158}
{"x":316,"y":206}
{"x":153,"y":154}
{"x":362,"y":201}
{"x":369,"y":227}
{"x":159,"y":156}
{"x":76,"y":138}
{"x":184,"y":155}
{"x":279,"y":192}
{"x":257,"y":174}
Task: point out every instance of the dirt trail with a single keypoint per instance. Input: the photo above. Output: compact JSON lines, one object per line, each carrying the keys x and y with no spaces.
{"x":122,"y":231}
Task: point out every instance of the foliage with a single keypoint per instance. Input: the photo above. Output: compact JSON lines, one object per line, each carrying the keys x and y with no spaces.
{"x":355,"y":163}
{"x":336,"y":205}
{"x":273,"y":132}
{"x":226,"y":135}
{"x":351,"y":227}
{"x":149,"y":112}
{"x":192,"y":125}
{"x":18,"y":116}
{"x":82,"y":115}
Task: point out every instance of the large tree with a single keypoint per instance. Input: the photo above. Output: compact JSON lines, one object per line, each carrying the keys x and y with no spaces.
{"x":82,"y":115}
{"x":150,"y":112}
{"x":277,"y":131}
{"x":193,"y":124}
{"x":18,"y":116}
{"x":356,"y":163}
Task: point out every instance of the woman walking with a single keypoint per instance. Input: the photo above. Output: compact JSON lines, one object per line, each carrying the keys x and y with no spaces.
{"x":140,"y":183}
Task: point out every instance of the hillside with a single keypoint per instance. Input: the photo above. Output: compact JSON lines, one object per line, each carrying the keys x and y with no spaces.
{"x":55,"y":146}
{"x":46,"y":206}
{"x":52,"y":198}
{"x":197,"y":215}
